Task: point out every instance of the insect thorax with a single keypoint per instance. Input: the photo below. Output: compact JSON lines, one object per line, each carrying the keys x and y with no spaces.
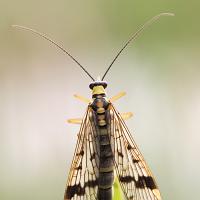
{"x":100,"y":102}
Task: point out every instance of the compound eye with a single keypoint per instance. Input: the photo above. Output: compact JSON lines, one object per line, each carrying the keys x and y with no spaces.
{"x":104,"y":84}
{"x":91,"y":85}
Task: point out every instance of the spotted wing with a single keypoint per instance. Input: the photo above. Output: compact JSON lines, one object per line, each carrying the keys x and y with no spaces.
{"x":136,"y":180}
{"x":83,"y":176}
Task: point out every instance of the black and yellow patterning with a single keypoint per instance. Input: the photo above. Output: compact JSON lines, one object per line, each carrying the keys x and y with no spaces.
{"x":105,"y":148}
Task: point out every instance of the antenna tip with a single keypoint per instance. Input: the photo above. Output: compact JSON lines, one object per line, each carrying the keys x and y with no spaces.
{"x":168,"y":14}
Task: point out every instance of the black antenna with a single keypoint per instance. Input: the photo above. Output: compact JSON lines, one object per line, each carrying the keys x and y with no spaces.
{"x":135,"y":35}
{"x":57,"y":45}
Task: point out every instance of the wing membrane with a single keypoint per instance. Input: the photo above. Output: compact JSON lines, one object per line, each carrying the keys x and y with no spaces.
{"x":83,"y":176}
{"x":136,"y":180}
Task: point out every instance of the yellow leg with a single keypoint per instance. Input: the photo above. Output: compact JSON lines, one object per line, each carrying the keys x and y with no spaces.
{"x":83,"y":99}
{"x":126,"y":115}
{"x":75,"y":121}
{"x":118,"y":96}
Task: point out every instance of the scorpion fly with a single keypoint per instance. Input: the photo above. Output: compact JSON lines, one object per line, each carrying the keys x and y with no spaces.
{"x":105,"y":148}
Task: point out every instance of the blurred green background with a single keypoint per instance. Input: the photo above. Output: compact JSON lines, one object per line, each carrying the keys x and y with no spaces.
{"x":160,"y":73}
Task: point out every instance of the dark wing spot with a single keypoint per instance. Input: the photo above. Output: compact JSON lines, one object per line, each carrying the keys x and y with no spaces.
{"x":135,"y":161}
{"x":126,"y":179}
{"x":81,"y":153}
{"x":142,"y":182}
{"x":79,"y":167}
{"x":77,"y":189}
{"x":92,"y":183}
{"x":120,"y":154}
{"x":150,"y":182}
{"x":129,"y":147}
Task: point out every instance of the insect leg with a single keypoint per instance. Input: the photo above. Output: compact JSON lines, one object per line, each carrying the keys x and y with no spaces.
{"x":118,"y":96}
{"x":75,"y":121}
{"x":126,"y":115}
{"x":83,"y":99}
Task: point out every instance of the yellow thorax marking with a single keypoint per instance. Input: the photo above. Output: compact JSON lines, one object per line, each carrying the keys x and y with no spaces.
{"x":98,"y":90}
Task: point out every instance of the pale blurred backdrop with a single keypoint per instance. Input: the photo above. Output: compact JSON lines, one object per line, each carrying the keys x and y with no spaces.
{"x":160,"y":73}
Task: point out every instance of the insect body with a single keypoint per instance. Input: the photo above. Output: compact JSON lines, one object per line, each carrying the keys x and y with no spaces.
{"x":96,"y":145}
{"x":103,"y":145}
{"x":105,"y":148}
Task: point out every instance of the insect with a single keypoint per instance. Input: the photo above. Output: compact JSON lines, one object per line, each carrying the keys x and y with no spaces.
{"x":105,"y":148}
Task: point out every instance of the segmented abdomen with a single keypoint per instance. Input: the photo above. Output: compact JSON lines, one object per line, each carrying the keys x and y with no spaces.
{"x":106,"y":165}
